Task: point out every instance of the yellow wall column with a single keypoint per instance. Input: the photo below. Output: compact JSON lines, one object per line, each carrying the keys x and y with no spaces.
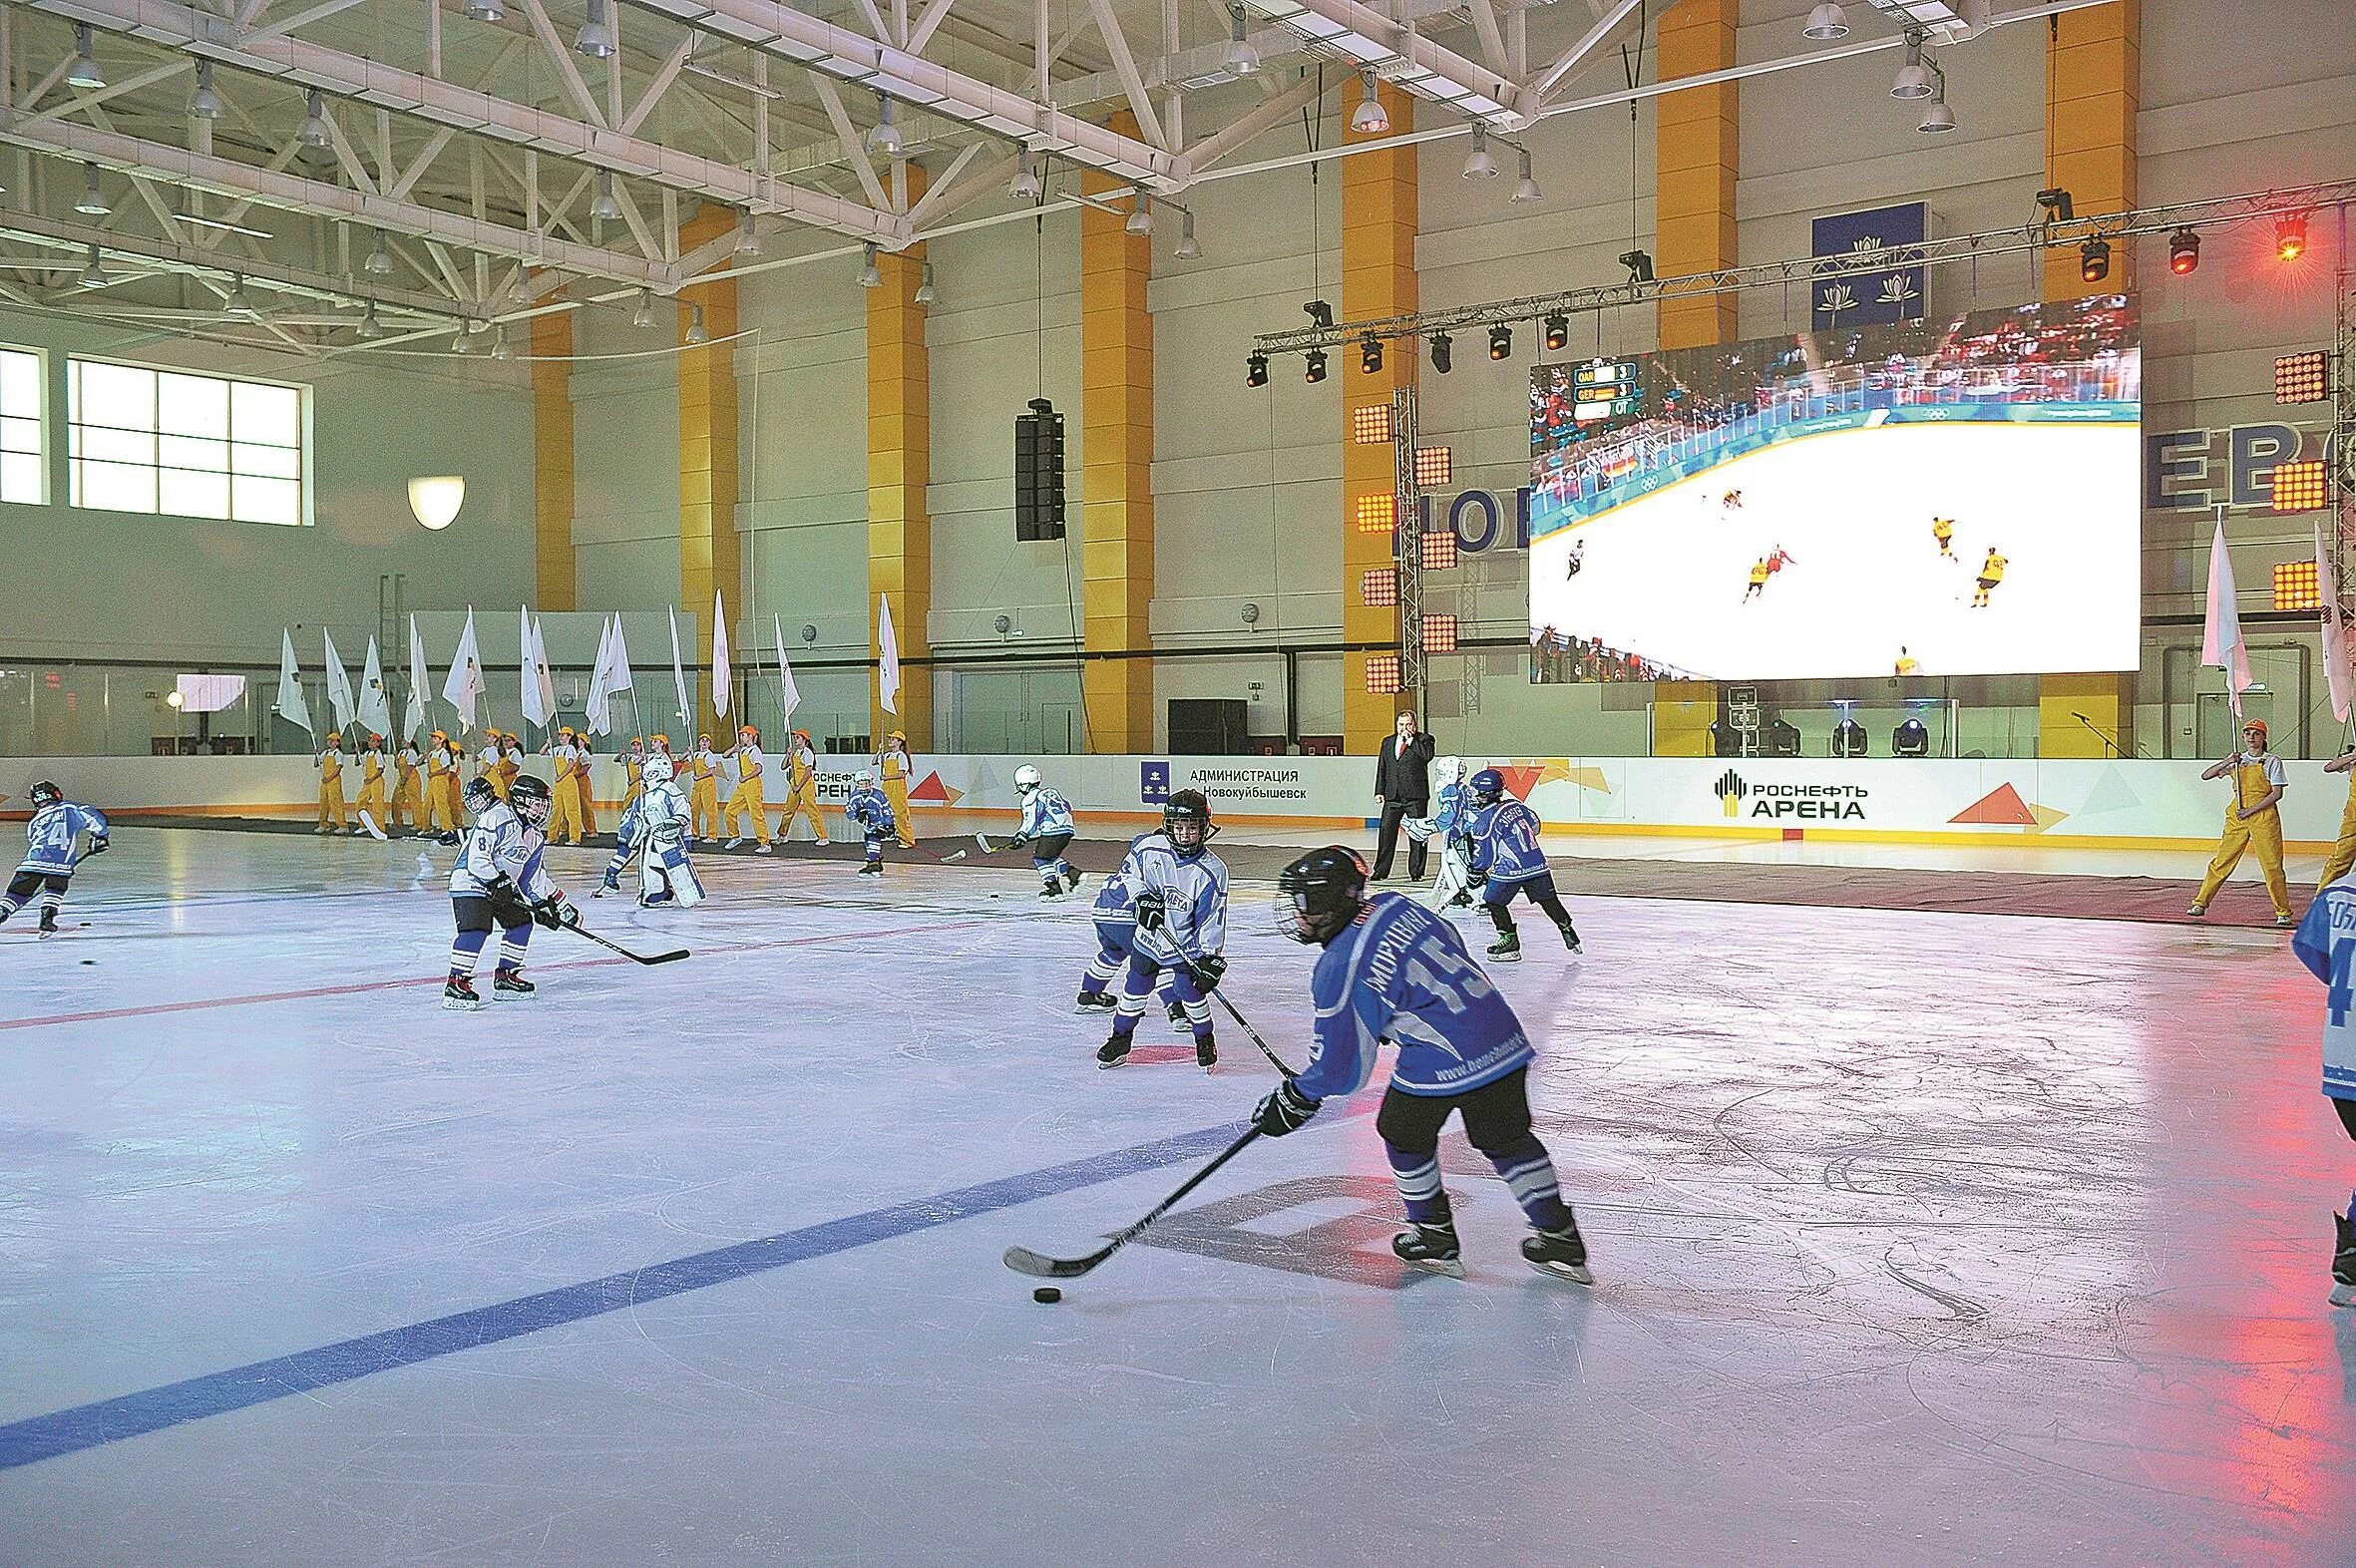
{"x":1116,"y":487}
{"x":552,"y":449}
{"x":709,"y":556}
{"x":1378,"y":227}
{"x":899,"y":467}
{"x":2094,"y":65}
{"x":1697,"y":157}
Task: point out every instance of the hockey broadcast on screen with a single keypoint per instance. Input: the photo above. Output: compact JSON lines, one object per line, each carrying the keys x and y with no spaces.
{"x":1934,"y":497}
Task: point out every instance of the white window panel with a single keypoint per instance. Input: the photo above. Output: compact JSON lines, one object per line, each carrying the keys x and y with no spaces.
{"x":267,"y":462}
{"x":190,"y":452}
{"x":192,"y":406}
{"x":18,"y":435}
{"x":187,"y":493}
{"x":20,"y":478}
{"x":265,"y":413}
{"x":175,"y":443}
{"x":266,"y":500}
{"x":121,"y":396}
{"x":115,"y":487}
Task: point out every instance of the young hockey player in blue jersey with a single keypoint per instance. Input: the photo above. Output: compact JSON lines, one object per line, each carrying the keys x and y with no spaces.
{"x":1452,"y":888}
{"x":51,"y":834}
{"x":1393,"y":970}
{"x":629,"y":835}
{"x":1503,"y":834}
{"x":2326,"y":942}
{"x":665,"y":876}
{"x":1115,"y":913}
{"x":869,"y":812}
{"x":1046,"y":828}
{"x":500,"y":880}
{"x":1180,"y":890}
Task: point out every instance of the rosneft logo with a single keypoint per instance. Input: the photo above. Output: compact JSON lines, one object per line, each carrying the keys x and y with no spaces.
{"x":1731,"y":790}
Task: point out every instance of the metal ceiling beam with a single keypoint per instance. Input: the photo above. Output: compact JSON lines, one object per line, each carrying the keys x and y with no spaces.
{"x":440,"y":103}
{"x":1366,"y":37}
{"x":846,"y":56}
{"x":225,"y":177}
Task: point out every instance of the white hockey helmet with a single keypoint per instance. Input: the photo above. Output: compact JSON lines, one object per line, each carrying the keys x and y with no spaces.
{"x":1026,"y":779}
{"x":658,"y":769}
{"x":1452,"y":769}
{"x":865,"y":778}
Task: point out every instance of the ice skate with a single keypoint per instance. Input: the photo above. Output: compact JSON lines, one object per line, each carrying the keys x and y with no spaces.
{"x":1051,"y":890}
{"x":1206,"y":1052}
{"x":1432,"y":1248}
{"x":509,"y":985}
{"x":1562,"y":1254}
{"x":459,"y":996}
{"x":1114,"y":1052}
{"x":1088,"y":1001}
{"x":48,"y":927}
{"x":2343,"y":1264}
{"x":1570,"y":936}
{"x":1506,"y":949}
{"x":611,"y":884}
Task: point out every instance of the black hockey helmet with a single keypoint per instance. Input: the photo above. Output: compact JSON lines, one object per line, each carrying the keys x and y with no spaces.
{"x":45,"y":793}
{"x":530,"y":797}
{"x":1190,"y":810}
{"x":480,"y":796}
{"x":1318,"y":895}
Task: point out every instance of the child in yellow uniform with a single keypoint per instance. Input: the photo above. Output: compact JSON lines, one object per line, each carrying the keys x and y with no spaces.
{"x":2343,"y":853}
{"x":441,"y":763}
{"x":893,"y":766}
{"x":2252,"y":822}
{"x":369,"y":804}
{"x":801,"y":788}
{"x":748,"y":793}
{"x":564,"y":819}
{"x":1758,"y":580}
{"x":704,"y":790}
{"x":1944,"y":530}
{"x":510,"y":761}
{"x":487,"y":764}
{"x":329,"y":762}
{"x":409,"y":788}
{"x":1990,"y":573}
{"x":633,"y":772}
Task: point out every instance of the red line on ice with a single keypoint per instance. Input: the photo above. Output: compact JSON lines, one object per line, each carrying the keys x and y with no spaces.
{"x":362,"y":987}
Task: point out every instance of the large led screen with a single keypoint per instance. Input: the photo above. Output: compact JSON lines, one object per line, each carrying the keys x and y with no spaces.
{"x":1956,"y":498}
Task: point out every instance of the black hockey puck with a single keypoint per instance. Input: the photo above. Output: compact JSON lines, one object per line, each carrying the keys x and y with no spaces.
{"x":90,"y":961}
{"x":1047,"y":1294}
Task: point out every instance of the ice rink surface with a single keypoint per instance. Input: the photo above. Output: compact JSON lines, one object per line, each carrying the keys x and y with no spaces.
{"x":1919,"y":1238}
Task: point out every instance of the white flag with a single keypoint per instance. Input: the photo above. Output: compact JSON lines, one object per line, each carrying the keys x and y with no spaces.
{"x":679,"y":675}
{"x":527,"y":671}
{"x":600,"y":707}
{"x":546,"y":676}
{"x":2335,"y":630}
{"x":289,"y":703}
{"x":617,"y":679}
{"x":414,"y":720}
{"x":2221,"y":639}
{"x":465,"y":682}
{"x":724,"y":678}
{"x":789,"y":695}
{"x":888,"y":674}
{"x":340,"y":686}
{"x":376,"y":708}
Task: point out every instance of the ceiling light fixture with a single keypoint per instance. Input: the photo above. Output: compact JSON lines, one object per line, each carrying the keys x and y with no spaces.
{"x":1937,"y":118}
{"x":1188,"y":248}
{"x":92,"y":203}
{"x":1026,"y":179}
{"x":1479,"y":165}
{"x":644,"y":316}
{"x":314,"y":132}
{"x":369,"y":330}
{"x":204,"y":102}
{"x":698,"y":334}
{"x":2184,"y":252}
{"x":1242,"y":58}
{"x":94,"y":275}
{"x":594,"y":41}
{"x":1826,"y":22}
{"x":380,"y":261}
{"x":884,"y":139}
{"x":749,"y":236}
{"x":1140,"y":212}
{"x":1369,"y":118}
{"x":84,"y":72}
{"x":486,"y":10}
{"x":605,"y":205}
{"x":1527,"y":190}
{"x":870,"y":274}
{"x":1256,"y":370}
{"x":1914,"y":76}
{"x":925,"y":294}
{"x":1316,"y":371}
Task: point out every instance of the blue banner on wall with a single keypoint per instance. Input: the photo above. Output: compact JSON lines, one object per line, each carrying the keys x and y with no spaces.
{"x":1855,"y":290}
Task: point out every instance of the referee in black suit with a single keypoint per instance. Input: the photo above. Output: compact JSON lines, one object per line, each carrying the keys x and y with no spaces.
{"x":1402,"y":787}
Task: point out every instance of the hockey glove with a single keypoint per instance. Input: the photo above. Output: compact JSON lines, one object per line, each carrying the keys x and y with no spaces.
{"x":556,"y":910}
{"x":508,"y":905}
{"x":1150,"y":913}
{"x":1285,"y":1109}
{"x":98,"y":846}
{"x":670,"y":835}
{"x":1208,"y":971}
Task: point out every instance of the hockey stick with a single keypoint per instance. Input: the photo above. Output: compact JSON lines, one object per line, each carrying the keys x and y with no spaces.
{"x":636,"y":958}
{"x":1023,"y":1260}
{"x":1220,"y":997}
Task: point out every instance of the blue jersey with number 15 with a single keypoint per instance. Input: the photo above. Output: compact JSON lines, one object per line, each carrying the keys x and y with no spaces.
{"x":2326,"y":943}
{"x":1401,"y":973}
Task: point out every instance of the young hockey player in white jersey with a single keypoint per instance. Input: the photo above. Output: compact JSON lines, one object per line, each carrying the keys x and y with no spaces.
{"x":629,"y":837}
{"x":1115,"y":915}
{"x":500,"y":880}
{"x":664,"y":876}
{"x":869,"y":812}
{"x":1505,"y":839}
{"x":1452,"y":888}
{"x":1046,"y":828}
{"x":1393,"y":970}
{"x":2326,"y":942}
{"x":1180,"y":890}
{"x":51,"y":835}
